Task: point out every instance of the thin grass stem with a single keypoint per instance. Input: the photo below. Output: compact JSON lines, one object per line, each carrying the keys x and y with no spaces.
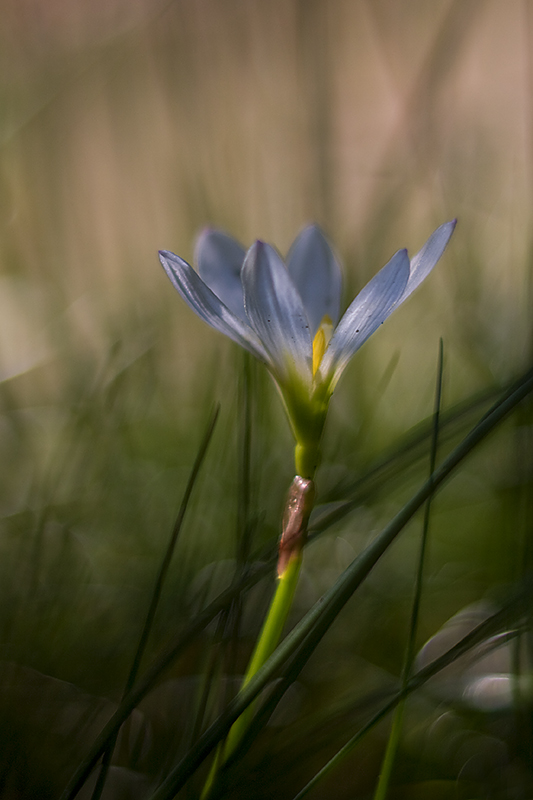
{"x":156,"y":592}
{"x":397,"y":720}
{"x":481,"y":633}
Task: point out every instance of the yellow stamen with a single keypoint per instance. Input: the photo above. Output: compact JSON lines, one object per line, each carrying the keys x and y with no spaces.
{"x":321,"y":341}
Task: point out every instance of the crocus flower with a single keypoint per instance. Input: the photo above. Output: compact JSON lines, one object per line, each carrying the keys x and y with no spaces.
{"x":287,"y":315}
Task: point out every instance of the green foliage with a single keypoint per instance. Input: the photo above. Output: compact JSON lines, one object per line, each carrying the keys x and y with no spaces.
{"x":126,"y":131}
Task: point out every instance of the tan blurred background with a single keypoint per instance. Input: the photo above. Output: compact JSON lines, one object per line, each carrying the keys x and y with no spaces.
{"x":125,"y":127}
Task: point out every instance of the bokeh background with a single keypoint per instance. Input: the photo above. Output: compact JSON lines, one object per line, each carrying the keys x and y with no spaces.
{"x":125,"y":128}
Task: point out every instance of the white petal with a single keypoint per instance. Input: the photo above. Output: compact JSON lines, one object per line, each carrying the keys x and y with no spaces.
{"x":427,"y":257}
{"x":317,"y":276}
{"x":208,"y":306}
{"x":370,"y":308}
{"x":219,"y":259}
{"x":276,"y":311}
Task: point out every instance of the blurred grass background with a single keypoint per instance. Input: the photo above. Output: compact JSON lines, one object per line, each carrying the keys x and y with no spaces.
{"x":125,"y":127}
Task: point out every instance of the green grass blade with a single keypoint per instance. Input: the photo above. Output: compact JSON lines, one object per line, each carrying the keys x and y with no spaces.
{"x":158,"y":588}
{"x":397,"y":720}
{"x":415,"y":445}
{"x":500,"y":621}
{"x":317,"y":621}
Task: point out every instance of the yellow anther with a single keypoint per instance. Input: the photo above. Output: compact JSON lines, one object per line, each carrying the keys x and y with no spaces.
{"x":321,"y":341}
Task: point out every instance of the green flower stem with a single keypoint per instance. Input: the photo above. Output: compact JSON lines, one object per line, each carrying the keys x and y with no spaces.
{"x":265,"y":646}
{"x":307,"y":417}
{"x":298,"y":508}
{"x":306,"y":459}
{"x":267,"y":642}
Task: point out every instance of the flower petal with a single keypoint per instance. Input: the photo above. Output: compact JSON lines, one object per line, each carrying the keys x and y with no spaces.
{"x":427,"y":257}
{"x":208,"y":306}
{"x":370,"y":308}
{"x":276,"y":311}
{"x":219,"y":260}
{"x":317,"y":276}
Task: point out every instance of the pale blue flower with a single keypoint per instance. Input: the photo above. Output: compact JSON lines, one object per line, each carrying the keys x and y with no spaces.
{"x":287,"y":315}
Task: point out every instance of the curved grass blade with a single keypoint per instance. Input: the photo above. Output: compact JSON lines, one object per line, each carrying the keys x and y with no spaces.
{"x":414,"y":446}
{"x":158,"y":588}
{"x":152,"y":675}
{"x":230,"y":619}
{"x":499,"y":621}
{"x":307,"y":634}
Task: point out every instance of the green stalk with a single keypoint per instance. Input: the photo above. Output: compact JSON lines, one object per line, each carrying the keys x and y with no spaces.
{"x":265,"y":646}
{"x":267,"y":642}
{"x":294,"y":531}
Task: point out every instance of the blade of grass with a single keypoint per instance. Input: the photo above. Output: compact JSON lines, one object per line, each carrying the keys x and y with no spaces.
{"x":156,"y":592}
{"x":265,"y":645}
{"x":232,"y":617}
{"x":165,"y":564}
{"x":419,"y":439}
{"x":158,"y":588}
{"x":396,"y":728}
{"x":157,"y":669}
{"x":486,"y":629}
{"x":310,"y":630}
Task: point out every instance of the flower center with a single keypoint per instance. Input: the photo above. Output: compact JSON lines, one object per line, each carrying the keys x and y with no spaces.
{"x":321,"y":341}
